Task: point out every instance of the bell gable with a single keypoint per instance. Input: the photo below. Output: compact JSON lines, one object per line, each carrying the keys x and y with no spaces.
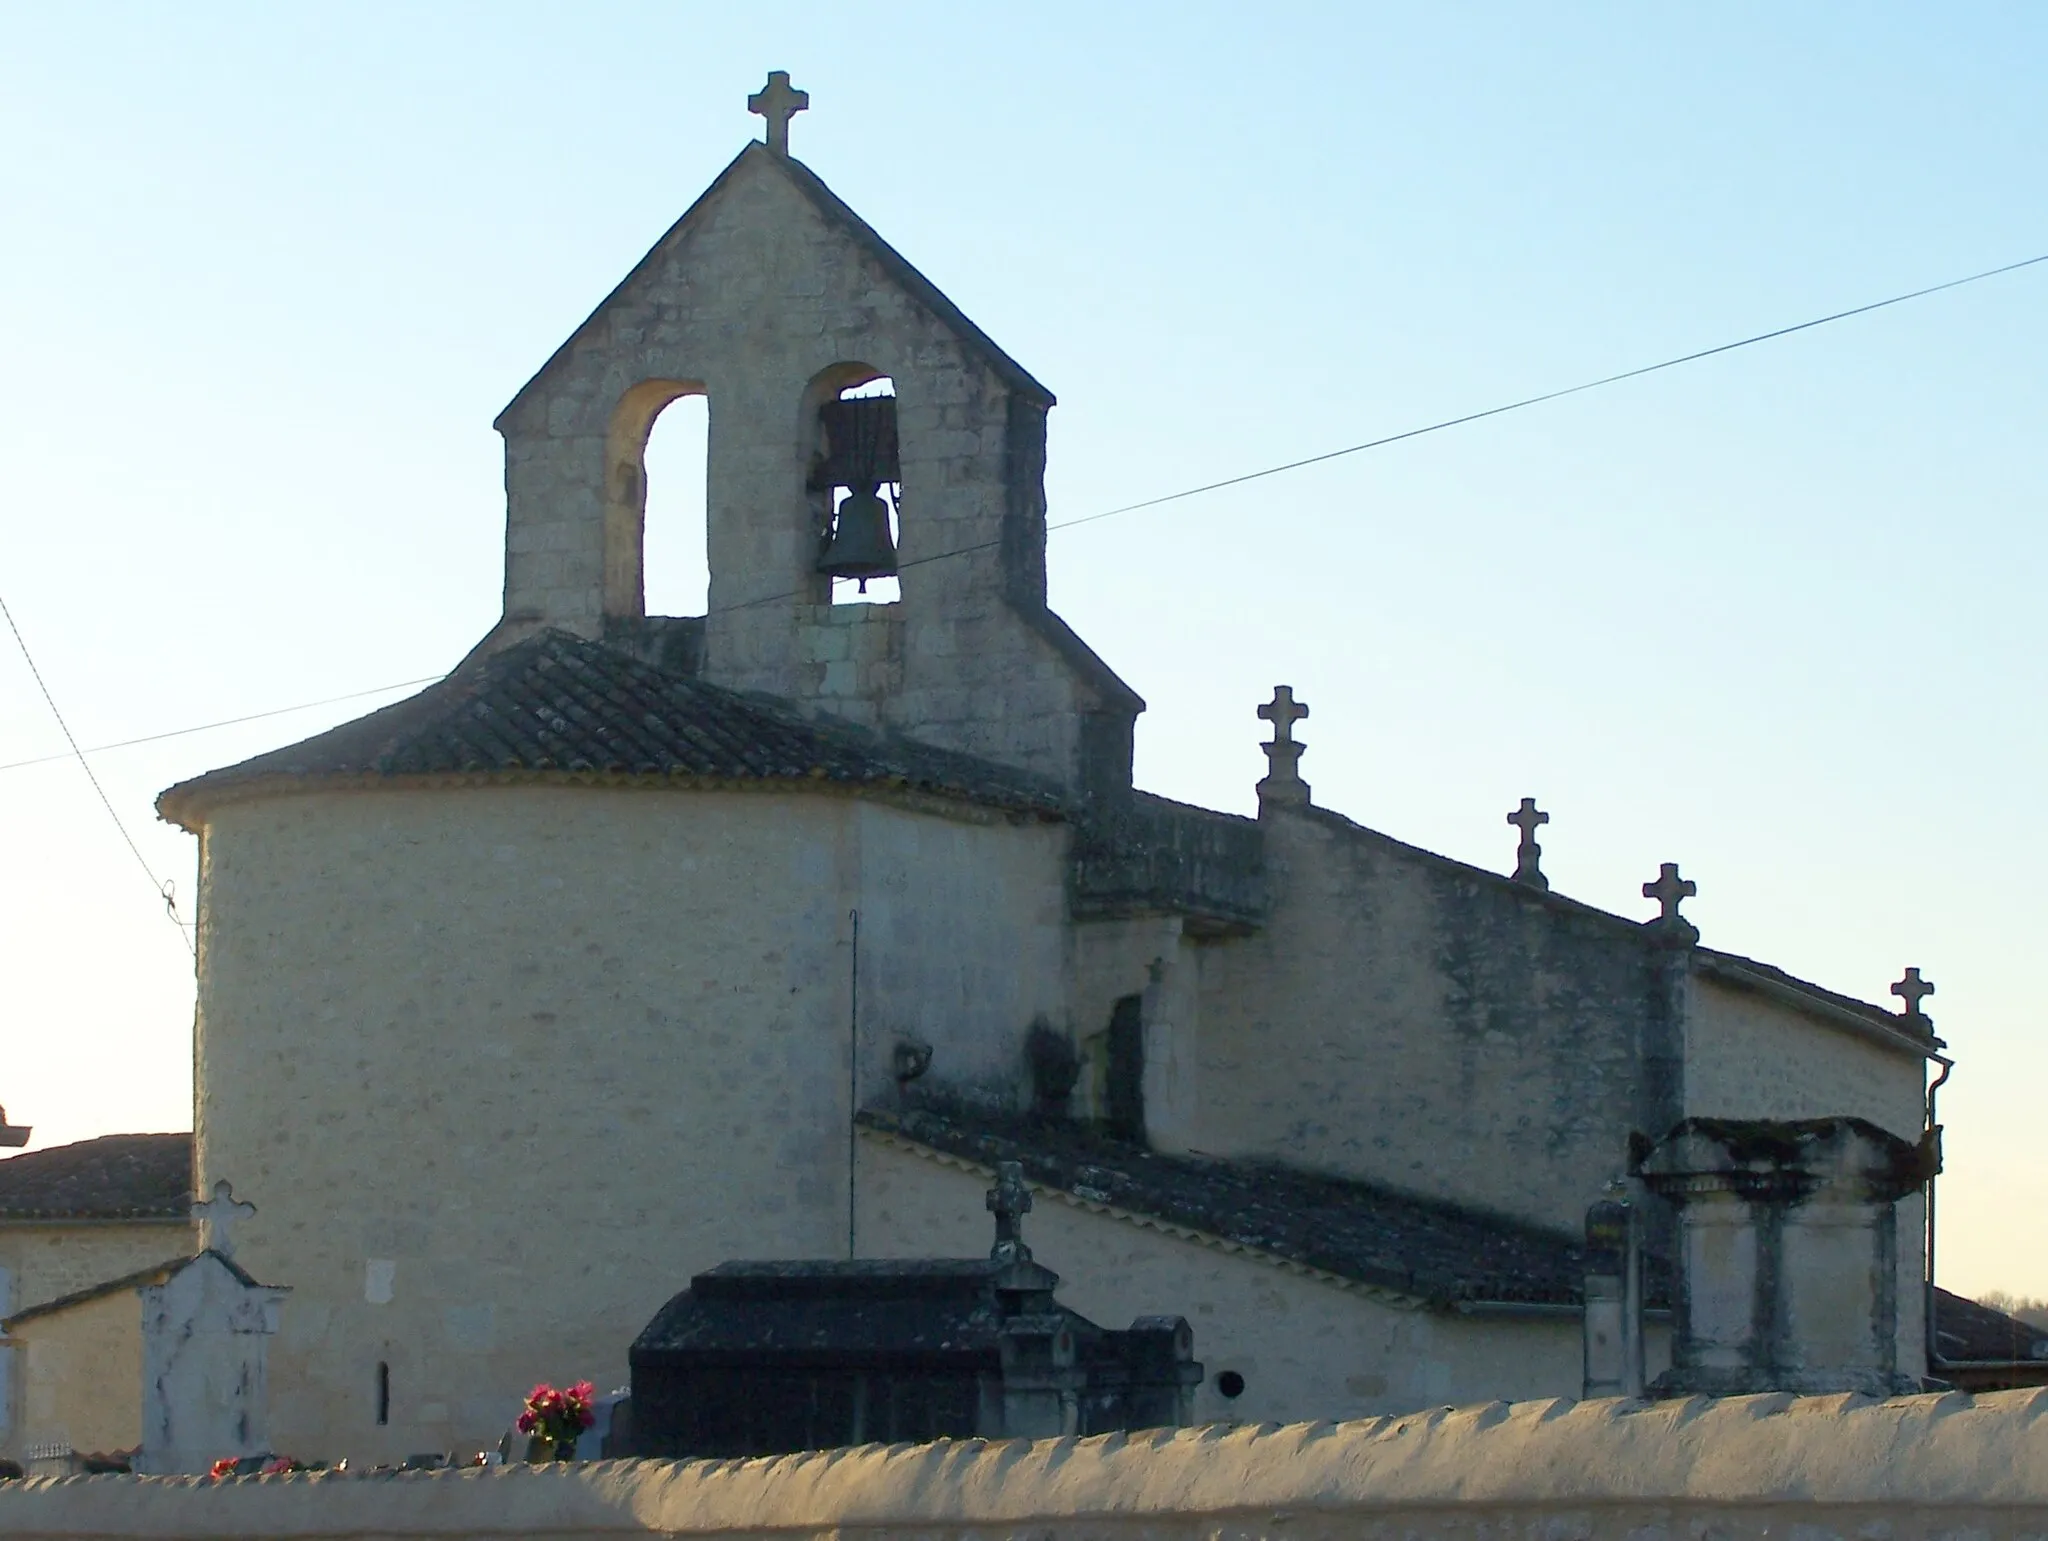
{"x":773,"y":299}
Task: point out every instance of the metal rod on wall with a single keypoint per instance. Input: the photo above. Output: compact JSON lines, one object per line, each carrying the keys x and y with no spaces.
{"x":852,"y":1082}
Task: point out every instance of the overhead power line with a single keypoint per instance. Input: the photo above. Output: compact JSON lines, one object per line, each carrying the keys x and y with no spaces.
{"x":162,"y":887}
{"x":229,"y":722}
{"x":1168,"y":497}
{"x":1556,"y":395}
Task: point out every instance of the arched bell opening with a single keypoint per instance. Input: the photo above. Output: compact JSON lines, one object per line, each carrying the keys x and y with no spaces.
{"x":855,"y":483}
{"x":657,"y":452}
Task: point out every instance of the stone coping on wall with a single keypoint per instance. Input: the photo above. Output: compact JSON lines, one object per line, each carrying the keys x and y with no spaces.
{"x":1948,"y":1465}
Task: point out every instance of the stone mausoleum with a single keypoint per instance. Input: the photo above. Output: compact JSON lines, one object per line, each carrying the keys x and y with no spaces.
{"x":767,"y":1358}
{"x":773,"y":932}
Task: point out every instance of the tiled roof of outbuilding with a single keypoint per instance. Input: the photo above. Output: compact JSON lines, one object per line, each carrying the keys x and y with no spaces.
{"x":1407,"y":1245}
{"x":115,"y":1177}
{"x":1968,"y":1331}
{"x":556,"y":704}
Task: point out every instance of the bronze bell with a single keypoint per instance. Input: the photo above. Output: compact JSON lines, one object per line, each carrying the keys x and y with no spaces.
{"x":860,"y":546}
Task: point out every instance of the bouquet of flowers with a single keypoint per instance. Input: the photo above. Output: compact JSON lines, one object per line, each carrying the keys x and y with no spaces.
{"x":558,"y":1414}
{"x":264,"y":1466}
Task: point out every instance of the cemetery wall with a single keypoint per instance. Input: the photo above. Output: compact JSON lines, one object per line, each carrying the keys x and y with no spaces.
{"x":1307,"y":1346}
{"x":1947,"y":1468}
{"x":619,"y":1015}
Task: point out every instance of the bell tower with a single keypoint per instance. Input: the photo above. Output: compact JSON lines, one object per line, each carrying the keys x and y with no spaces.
{"x":775,"y":301}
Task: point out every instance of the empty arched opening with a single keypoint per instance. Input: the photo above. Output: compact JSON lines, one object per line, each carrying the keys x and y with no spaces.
{"x":677,"y":573}
{"x":856,"y":485}
{"x":656,"y":473}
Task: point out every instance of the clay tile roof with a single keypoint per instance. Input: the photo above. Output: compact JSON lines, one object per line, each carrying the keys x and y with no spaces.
{"x":1966,"y":1331}
{"x":555,"y":703}
{"x":115,"y":1177}
{"x":1436,"y":1252}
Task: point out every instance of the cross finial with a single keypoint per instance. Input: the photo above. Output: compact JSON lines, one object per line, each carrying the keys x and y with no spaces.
{"x":778,"y":102}
{"x":1670,"y":890}
{"x":1283,"y":783}
{"x":220,"y":1214}
{"x":1913,"y":990}
{"x":1528,"y":855}
{"x":1009,"y":1201}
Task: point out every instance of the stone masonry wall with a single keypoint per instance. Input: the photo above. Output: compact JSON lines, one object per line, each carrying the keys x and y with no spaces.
{"x":1749,"y":1057}
{"x":41,"y":1260}
{"x":766,"y":306}
{"x":1403,"y":1020}
{"x":1747,"y":1469}
{"x":540,"y":1053}
{"x":49,"y":1258}
{"x":1306,"y":1345}
{"x":81,"y":1376}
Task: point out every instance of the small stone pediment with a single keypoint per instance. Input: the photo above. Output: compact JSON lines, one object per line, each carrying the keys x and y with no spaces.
{"x":765,"y":218}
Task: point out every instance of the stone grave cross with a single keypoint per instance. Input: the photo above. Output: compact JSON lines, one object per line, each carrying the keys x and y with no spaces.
{"x":1283,"y":783}
{"x":1913,"y":990}
{"x":220,"y":1214}
{"x":1529,"y":855}
{"x":778,"y":102}
{"x":1009,"y":1201}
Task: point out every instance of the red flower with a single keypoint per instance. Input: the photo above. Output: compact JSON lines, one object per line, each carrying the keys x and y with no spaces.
{"x":224,"y":1467}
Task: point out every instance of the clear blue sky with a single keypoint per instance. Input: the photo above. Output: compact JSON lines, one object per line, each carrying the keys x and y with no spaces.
{"x":269,"y":271}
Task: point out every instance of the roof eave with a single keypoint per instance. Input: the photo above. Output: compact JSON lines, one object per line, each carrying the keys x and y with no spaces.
{"x":189,"y":804}
{"x":1869,"y":1024}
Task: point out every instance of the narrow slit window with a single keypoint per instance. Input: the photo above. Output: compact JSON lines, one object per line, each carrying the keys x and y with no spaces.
{"x":383,"y":1393}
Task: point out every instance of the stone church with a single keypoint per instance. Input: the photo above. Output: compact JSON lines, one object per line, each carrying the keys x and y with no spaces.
{"x":643,"y":943}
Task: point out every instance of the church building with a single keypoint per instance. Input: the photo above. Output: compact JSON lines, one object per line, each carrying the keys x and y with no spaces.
{"x":640,"y":944}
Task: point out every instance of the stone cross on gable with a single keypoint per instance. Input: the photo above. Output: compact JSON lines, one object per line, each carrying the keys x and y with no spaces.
{"x":1670,"y":890}
{"x":778,"y":102}
{"x":1528,"y":855}
{"x":1913,"y":990}
{"x":1283,"y":783}
{"x":220,"y":1214}
{"x":1009,"y":1201}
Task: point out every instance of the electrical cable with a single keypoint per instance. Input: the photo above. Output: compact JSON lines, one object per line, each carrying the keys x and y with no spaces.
{"x":229,"y":722}
{"x":1154,"y":502}
{"x":164,"y":890}
{"x":1457,"y":422}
